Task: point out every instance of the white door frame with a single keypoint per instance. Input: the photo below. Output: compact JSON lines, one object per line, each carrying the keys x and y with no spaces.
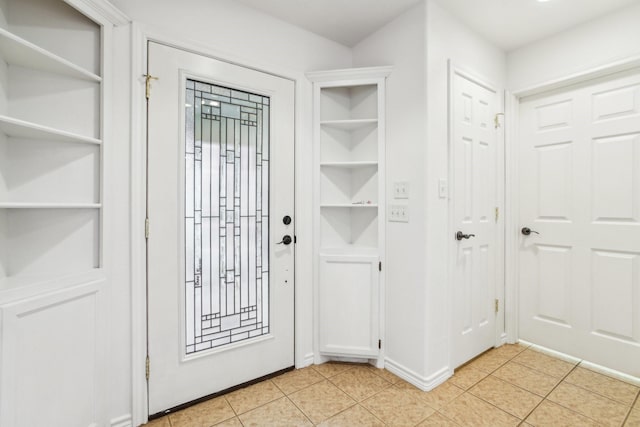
{"x":500,"y":335}
{"x":141,"y":34}
{"x":512,"y":104}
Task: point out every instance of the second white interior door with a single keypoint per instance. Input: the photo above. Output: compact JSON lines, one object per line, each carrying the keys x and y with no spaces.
{"x":579,"y":192}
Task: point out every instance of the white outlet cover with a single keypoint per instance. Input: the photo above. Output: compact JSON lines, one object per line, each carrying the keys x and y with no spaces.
{"x":399,"y":213}
{"x":401,"y":190}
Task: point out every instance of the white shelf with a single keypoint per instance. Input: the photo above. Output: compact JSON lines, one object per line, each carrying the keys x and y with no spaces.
{"x":348,"y":205}
{"x":349,"y":164}
{"x":22,"y":129}
{"x":22,"y":285}
{"x":17,"y":51}
{"x":348,"y":124}
{"x":10,"y":205}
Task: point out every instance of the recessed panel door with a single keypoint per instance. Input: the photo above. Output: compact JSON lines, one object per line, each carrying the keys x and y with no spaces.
{"x":474,"y":140}
{"x":220,"y":254}
{"x":579,"y":195}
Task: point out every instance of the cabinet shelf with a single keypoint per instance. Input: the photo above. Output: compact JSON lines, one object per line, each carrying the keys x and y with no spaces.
{"x":349,"y":164}
{"x":22,"y":285}
{"x":351,"y":124}
{"x":10,"y":205}
{"x":17,"y":51}
{"x":349,"y":205}
{"x":23,"y":129}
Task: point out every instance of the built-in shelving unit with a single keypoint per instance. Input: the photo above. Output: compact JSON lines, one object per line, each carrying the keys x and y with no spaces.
{"x":349,"y":215}
{"x":51,"y":151}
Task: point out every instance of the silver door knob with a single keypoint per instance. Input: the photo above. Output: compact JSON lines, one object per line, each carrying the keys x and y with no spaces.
{"x":527,"y":231}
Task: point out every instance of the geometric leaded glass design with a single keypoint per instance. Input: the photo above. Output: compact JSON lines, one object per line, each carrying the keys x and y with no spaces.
{"x":226,"y":216}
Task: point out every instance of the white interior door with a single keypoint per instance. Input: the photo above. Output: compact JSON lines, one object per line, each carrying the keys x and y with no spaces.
{"x":579,"y":169}
{"x":220,"y":182}
{"x":474,"y":149}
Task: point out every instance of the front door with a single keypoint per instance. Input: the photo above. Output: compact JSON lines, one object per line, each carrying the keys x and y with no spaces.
{"x":220,"y":182}
{"x":474,"y":150}
{"x":579,"y":195}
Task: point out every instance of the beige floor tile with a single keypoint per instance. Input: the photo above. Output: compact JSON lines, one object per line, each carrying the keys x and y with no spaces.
{"x":203,"y":414}
{"x":330,"y":369}
{"x":510,"y":350}
{"x":396,"y":407}
{"x":437,"y":420}
{"x":160,"y":422}
{"x":544,"y":363}
{"x":506,"y":396}
{"x":548,"y":414}
{"x":467,"y":376}
{"x":468,"y":410}
{"x":594,"y":406}
{"x":321,"y":401}
{"x":280,"y":412}
{"x":392,"y":378}
{"x":360,"y":384}
{"x":251,"y":397}
{"x":634,"y":419}
{"x":527,"y":378}
{"x":610,"y":387}
{"x":436,"y":398}
{"x":489,"y":361}
{"x":356,"y":416}
{"x":231,"y":422}
{"x":297,"y":380}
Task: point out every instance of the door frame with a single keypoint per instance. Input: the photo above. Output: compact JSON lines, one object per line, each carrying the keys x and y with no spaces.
{"x":512,"y":177}
{"x":140,"y":35}
{"x":500,"y":335}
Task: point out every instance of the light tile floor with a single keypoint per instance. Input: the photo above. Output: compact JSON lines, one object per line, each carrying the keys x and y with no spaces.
{"x":509,"y":386}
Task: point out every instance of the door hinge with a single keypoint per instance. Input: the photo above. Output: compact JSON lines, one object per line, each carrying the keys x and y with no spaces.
{"x":147,"y":84}
{"x":497,"y":214}
{"x":496,"y":120}
{"x":379,"y":344}
{"x":146,"y":368}
{"x":379,"y":265}
{"x":146,"y":228}
{"x":497,"y":304}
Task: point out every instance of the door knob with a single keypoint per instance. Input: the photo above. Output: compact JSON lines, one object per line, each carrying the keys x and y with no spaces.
{"x":460,"y":235}
{"x":286,"y":240}
{"x":286,"y":220}
{"x":527,"y":231}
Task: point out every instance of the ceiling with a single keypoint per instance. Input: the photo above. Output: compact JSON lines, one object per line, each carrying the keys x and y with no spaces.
{"x":506,"y":23}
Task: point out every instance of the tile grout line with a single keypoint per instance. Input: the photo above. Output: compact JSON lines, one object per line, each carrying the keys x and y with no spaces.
{"x":635,"y":401}
{"x":299,"y":409}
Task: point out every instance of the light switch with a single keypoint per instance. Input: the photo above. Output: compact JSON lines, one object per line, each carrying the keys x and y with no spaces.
{"x":399,"y":213}
{"x":401,"y":190}
{"x":443,"y":188}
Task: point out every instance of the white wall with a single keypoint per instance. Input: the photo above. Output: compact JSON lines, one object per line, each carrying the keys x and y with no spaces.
{"x":240,"y":34}
{"x":402,"y":43}
{"x":447,"y":38}
{"x":599,"y":42}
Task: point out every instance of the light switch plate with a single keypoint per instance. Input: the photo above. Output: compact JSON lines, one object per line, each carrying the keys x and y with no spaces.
{"x":401,"y":190}
{"x":443,"y":188}
{"x":399,"y":213}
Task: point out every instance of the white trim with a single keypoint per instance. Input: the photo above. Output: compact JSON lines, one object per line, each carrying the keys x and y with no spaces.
{"x":122,"y":421}
{"x":453,"y":70}
{"x":96,"y":9}
{"x":306,"y":361}
{"x":583,"y":76}
{"x":423,"y":383}
{"x":140,"y":35}
{"x":355,"y":74}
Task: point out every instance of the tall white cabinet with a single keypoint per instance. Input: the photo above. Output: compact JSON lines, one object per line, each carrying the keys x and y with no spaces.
{"x":54,"y":127}
{"x":349,"y":200}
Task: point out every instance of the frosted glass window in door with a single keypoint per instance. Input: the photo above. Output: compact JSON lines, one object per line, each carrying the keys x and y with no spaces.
{"x":226,"y":216}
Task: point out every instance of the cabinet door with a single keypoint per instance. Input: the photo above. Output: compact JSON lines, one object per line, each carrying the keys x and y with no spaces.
{"x":349,"y":300}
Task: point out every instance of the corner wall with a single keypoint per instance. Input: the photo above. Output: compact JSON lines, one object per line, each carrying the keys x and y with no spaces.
{"x":611,"y":38}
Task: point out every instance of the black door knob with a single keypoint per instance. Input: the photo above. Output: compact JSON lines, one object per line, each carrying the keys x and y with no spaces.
{"x":286,"y":220}
{"x":286,"y":240}
{"x":527,"y":231}
{"x":460,"y":235}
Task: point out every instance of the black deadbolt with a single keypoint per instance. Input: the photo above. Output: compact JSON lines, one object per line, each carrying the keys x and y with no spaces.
{"x":286,"y":220}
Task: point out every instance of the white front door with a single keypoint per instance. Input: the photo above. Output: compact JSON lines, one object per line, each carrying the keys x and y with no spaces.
{"x":474,"y":150}
{"x":579,"y":169}
{"x":220,"y":182}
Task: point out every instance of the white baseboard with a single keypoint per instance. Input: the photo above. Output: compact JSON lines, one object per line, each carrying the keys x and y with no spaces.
{"x":122,"y":421}
{"x":306,"y":361}
{"x":423,"y":383}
